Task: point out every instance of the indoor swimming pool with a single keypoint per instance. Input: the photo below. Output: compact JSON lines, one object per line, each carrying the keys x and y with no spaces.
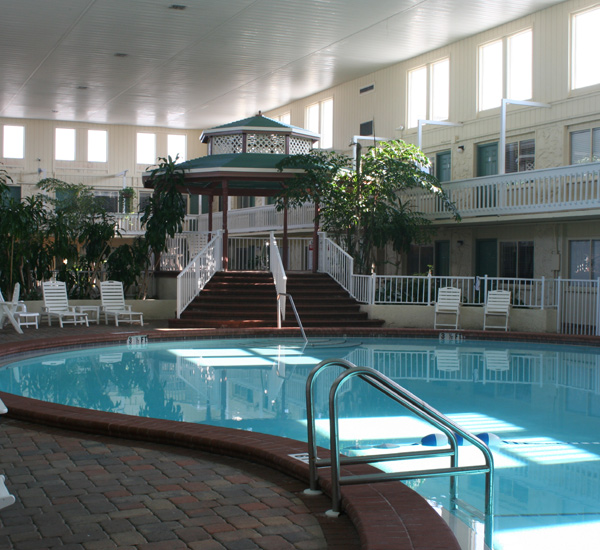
{"x":539,"y":405}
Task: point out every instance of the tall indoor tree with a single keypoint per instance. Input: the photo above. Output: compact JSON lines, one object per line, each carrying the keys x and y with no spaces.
{"x":364,"y":203}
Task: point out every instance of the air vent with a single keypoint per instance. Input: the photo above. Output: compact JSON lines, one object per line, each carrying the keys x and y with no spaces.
{"x":368,"y":88}
{"x":366,"y":128}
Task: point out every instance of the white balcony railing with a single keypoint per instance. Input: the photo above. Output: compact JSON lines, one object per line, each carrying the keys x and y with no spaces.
{"x":568,"y":188}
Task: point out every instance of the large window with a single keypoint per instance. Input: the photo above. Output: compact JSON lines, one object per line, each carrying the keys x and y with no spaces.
{"x":13,"y":144}
{"x":585,"y":145}
{"x":516,"y":259}
{"x":506,"y":70}
{"x":319,"y":119}
{"x":64,"y":146}
{"x":177,"y":147}
{"x":584,"y":259}
{"x":97,"y":145}
{"x":420,"y":259}
{"x":146,"y":148}
{"x":429,"y":92}
{"x":585,"y":44}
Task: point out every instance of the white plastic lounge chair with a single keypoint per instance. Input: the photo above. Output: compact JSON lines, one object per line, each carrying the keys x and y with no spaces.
{"x":6,"y":499}
{"x":113,"y":304}
{"x":8,"y":312}
{"x":497,"y":305}
{"x":56,"y":304}
{"x":448,"y":305}
{"x":24,"y":318}
{"x":447,"y":360}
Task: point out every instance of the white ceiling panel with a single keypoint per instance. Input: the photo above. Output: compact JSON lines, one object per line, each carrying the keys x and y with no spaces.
{"x":144,"y":62}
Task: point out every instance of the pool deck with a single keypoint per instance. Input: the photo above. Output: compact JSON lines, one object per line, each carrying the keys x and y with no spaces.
{"x":94,"y":480}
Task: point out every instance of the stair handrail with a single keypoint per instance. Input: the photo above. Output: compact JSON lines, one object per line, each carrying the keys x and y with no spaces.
{"x":414,"y":404}
{"x":336,"y":262}
{"x":198,"y":272}
{"x":279,"y":276}
{"x":295,"y":313}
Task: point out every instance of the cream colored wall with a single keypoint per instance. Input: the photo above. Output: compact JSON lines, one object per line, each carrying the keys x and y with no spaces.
{"x":386,"y":105}
{"x":39,"y":154}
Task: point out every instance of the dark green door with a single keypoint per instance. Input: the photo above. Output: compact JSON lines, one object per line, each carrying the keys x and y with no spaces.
{"x":486,"y":257}
{"x":442,"y":258}
{"x":487,"y":159}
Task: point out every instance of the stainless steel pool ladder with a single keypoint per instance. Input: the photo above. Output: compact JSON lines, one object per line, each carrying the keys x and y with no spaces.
{"x":279,"y":308}
{"x":419,"y":408}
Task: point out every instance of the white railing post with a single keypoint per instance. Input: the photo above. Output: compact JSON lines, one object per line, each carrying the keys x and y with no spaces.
{"x":558,"y":305}
{"x":373,"y":288}
{"x":279,"y":277}
{"x":429,"y":279}
{"x":543,"y":293}
{"x":597,"y":307}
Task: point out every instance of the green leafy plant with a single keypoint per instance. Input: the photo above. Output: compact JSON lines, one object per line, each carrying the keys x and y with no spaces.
{"x":365,"y":205}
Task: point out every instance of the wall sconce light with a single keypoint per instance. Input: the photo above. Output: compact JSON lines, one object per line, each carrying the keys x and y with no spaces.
{"x":461,"y":148}
{"x":460,"y":243}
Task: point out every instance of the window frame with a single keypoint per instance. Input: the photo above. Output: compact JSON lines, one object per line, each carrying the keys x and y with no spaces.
{"x":71,"y":143}
{"x":520,"y":248}
{"x":171,"y":147}
{"x":592,"y":260}
{"x":507,"y":75}
{"x":89,"y":142}
{"x":319,"y":119}
{"x":425,"y":98}
{"x":141,"y":159}
{"x":6,"y":149}
{"x":574,"y":47}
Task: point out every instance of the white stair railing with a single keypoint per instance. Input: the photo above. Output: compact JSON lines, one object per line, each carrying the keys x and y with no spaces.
{"x":198,"y":272}
{"x":336,"y":262}
{"x":279,"y":276}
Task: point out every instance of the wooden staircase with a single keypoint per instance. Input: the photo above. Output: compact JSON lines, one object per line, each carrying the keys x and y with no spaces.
{"x":247,"y":299}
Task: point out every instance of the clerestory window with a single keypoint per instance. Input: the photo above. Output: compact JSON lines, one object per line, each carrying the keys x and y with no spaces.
{"x":506,"y":69}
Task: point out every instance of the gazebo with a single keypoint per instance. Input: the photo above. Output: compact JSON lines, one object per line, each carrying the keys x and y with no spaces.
{"x":242,"y":161}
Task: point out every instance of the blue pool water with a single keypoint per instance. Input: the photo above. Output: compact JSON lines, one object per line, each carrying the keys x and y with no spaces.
{"x":541,"y":403}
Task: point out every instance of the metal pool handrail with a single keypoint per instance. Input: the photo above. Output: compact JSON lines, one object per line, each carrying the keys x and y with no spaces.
{"x":289,"y":296}
{"x":415,"y":405}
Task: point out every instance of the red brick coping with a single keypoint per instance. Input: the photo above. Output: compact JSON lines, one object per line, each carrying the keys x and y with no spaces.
{"x":386,"y":515}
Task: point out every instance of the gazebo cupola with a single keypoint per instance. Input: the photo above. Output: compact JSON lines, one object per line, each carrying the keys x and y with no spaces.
{"x":258,"y":134}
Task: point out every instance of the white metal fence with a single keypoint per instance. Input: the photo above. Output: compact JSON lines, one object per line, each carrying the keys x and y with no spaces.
{"x":577,"y":302}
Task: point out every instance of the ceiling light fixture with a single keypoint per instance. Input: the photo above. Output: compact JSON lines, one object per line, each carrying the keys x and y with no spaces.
{"x":118,"y":54}
{"x":179,"y":7}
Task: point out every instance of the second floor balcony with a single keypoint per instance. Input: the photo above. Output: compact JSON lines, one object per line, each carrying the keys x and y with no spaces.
{"x":569,"y":190}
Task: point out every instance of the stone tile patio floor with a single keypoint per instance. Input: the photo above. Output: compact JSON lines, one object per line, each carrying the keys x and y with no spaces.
{"x":95,"y":492}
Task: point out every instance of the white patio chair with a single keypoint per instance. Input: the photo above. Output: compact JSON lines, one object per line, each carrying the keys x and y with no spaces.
{"x":6,"y":499}
{"x":448,"y":305}
{"x":497,"y":305}
{"x":113,"y":304}
{"x":56,"y":304}
{"x":8,"y":312}
{"x":24,"y":318}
